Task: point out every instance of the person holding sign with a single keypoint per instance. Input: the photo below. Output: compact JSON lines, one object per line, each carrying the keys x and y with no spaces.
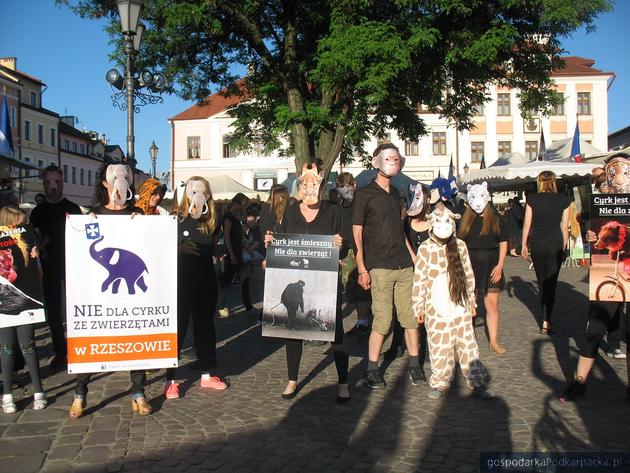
{"x":24,"y":335}
{"x":197,"y":285}
{"x":312,"y":216}
{"x":114,"y":195}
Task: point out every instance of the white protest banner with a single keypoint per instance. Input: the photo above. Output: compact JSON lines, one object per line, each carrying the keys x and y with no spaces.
{"x":21,"y":295}
{"x":301,"y":280}
{"x":121,"y":292}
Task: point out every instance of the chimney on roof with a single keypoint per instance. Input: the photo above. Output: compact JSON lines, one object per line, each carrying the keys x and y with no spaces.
{"x":69,"y":120}
{"x":10,"y":62}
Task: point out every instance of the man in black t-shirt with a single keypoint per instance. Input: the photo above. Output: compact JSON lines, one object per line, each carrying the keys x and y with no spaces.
{"x":49,"y":220}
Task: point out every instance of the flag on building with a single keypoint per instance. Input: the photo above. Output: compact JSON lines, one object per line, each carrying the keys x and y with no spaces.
{"x":6,"y":139}
{"x":576,"y":155}
{"x":451,"y":168}
{"x":542,"y":149}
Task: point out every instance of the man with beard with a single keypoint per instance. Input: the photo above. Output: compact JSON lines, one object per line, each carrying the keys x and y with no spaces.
{"x":49,"y":221}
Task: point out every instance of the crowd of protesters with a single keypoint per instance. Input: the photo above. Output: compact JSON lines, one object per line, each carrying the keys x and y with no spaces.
{"x":419,"y":271}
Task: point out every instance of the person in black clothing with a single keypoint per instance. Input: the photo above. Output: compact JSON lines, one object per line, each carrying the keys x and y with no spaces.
{"x":49,"y":221}
{"x":272,"y":211}
{"x":293,"y":299}
{"x":486,"y":237}
{"x":197,"y":285}
{"x":547,"y":215}
{"x":514,"y":220}
{"x":313,"y":217}
{"x":113,"y":199}
{"x":253,"y":253}
{"x":233,"y":238}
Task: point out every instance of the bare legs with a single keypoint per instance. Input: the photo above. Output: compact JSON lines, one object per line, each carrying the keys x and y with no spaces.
{"x":491,"y":302}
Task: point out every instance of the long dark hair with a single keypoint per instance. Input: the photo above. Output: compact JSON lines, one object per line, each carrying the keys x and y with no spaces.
{"x":456,"y":273}
{"x":101,"y":197}
{"x":491,"y":222}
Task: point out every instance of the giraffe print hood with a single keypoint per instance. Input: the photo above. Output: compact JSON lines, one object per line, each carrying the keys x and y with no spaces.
{"x":442,"y":222}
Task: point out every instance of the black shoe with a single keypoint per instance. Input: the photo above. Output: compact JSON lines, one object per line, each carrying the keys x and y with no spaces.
{"x":342,"y":400}
{"x":417,"y":376}
{"x":374,"y":379}
{"x":573,"y":392}
{"x":59,"y":363}
{"x":291,"y":395}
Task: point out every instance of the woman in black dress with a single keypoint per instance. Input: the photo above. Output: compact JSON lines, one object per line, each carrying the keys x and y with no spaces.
{"x":547,"y":215}
{"x":487,"y":240}
{"x":315,"y":217}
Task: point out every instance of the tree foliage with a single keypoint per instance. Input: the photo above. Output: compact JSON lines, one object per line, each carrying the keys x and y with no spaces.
{"x":325,"y":76}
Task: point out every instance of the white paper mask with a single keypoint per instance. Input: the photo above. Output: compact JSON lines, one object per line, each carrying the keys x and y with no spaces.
{"x":119,"y":177}
{"x":416,"y":200}
{"x":442,"y":222}
{"x":478,"y":197}
{"x":198,"y":198}
{"x":389,"y":162}
{"x":346,"y":192}
{"x":309,"y":183}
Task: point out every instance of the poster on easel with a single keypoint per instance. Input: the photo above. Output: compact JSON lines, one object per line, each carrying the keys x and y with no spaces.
{"x":609,"y":278}
{"x":301,"y":280}
{"x":21,"y":294}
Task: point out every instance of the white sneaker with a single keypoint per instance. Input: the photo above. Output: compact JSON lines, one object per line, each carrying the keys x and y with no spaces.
{"x":8,"y":404}
{"x":616,"y":354}
{"x":39,"y":402}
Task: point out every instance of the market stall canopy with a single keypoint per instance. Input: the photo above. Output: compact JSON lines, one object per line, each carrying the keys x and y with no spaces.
{"x":512,"y":177}
{"x":224,"y":188}
{"x":599,"y":158}
{"x":510,"y":159}
{"x":401,"y":181}
{"x":560,"y":150}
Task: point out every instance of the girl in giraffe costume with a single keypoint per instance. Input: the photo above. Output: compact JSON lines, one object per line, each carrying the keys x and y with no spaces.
{"x":443,"y":299}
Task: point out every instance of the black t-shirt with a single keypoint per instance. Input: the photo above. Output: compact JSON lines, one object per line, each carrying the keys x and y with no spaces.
{"x":102,"y":210}
{"x":50,"y":220}
{"x":326,"y":222}
{"x":547,"y":209}
{"x":345,"y":215}
{"x":254,"y":235}
{"x":384,"y":240}
{"x":236,"y":235}
{"x":474,"y":239}
{"x":194,"y":266}
{"x":415,"y":238}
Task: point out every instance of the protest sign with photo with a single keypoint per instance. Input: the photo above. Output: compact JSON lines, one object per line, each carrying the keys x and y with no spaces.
{"x":21,"y":295}
{"x":301,"y":287}
{"x":121,"y":292}
{"x":610,"y":255}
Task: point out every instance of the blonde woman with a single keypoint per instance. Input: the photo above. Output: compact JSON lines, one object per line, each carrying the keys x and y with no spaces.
{"x":197,"y":286}
{"x":547,"y":216}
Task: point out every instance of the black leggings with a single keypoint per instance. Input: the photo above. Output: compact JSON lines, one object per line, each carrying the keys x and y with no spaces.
{"x":10,"y":337}
{"x":53,"y":287}
{"x":138,"y":382}
{"x":232,"y":270}
{"x":547,"y":262}
{"x":603,"y":317}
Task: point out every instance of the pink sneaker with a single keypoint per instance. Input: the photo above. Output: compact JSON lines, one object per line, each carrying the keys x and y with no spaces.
{"x":213,"y":382}
{"x":172,"y":391}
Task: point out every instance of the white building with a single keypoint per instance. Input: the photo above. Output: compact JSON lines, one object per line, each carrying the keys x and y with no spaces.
{"x":200,"y":146}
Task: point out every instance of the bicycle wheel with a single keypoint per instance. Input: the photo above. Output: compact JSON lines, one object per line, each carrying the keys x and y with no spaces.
{"x":610,"y":291}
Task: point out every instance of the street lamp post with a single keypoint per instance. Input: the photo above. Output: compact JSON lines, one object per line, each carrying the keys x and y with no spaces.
{"x":130,"y":85}
{"x":153,"y":151}
{"x":466,"y":168}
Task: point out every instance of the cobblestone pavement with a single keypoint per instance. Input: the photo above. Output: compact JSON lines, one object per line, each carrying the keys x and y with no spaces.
{"x":250,"y":428}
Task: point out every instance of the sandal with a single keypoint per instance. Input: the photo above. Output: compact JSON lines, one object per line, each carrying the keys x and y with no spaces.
{"x":76,"y":411}
{"x":495,"y":347}
{"x":547,"y":330}
{"x":141,"y":406}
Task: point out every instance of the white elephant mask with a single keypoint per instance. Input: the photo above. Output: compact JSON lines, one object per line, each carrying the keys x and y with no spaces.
{"x":120,"y":178}
{"x":309,"y":183}
{"x":442,"y":222}
{"x":478,"y":197}
{"x":198,"y":198}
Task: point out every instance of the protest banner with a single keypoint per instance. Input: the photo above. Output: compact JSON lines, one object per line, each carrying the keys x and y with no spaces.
{"x":121,"y":292}
{"x":21,"y":294}
{"x":609,"y":278}
{"x":301,"y":279}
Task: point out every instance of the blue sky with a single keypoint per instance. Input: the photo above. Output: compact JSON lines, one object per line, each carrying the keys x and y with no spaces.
{"x":70,"y":54}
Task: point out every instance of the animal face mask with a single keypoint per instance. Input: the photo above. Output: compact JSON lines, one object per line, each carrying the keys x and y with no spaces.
{"x":442,"y":222}
{"x":443,"y":189}
{"x":309,"y":183}
{"x":415,"y":201}
{"x":478,"y":196}
{"x":389,"y":162}
{"x":346,"y":192}
{"x":198,"y":197}
{"x":617,"y":176}
{"x":119,"y":179}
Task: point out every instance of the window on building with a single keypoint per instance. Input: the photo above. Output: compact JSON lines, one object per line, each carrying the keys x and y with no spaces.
{"x":439,"y":143}
{"x":65,"y":173}
{"x":411,"y":148}
{"x":504,"y":148}
{"x":558,"y":110}
{"x":74,"y":175}
{"x":89,"y":178}
{"x":584,"y":103}
{"x":40,"y":134}
{"x":503,"y":105}
{"x":27,"y":130}
{"x":53,"y":137}
{"x":33,"y":99}
{"x":478,"y":110}
{"x":66,"y":145}
{"x":12,"y":117}
{"x":82,"y":148}
{"x":27,"y":172}
{"x":74,"y":147}
{"x":386,"y":138}
{"x":82,"y":177}
{"x":476,"y":151}
{"x":531,"y":150}
{"x":194,"y":150}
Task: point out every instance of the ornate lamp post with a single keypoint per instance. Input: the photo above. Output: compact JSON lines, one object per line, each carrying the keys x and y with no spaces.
{"x":153,"y":151}
{"x":130,"y":85}
{"x":466,"y":168}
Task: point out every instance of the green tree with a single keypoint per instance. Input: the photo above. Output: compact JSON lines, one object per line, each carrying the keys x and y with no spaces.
{"x":324,"y":76}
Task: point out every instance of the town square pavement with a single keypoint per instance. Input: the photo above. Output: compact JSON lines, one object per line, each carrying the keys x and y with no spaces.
{"x":250,"y":428}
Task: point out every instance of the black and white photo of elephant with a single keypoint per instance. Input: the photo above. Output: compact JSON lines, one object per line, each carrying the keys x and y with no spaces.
{"x":123,"y":265}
